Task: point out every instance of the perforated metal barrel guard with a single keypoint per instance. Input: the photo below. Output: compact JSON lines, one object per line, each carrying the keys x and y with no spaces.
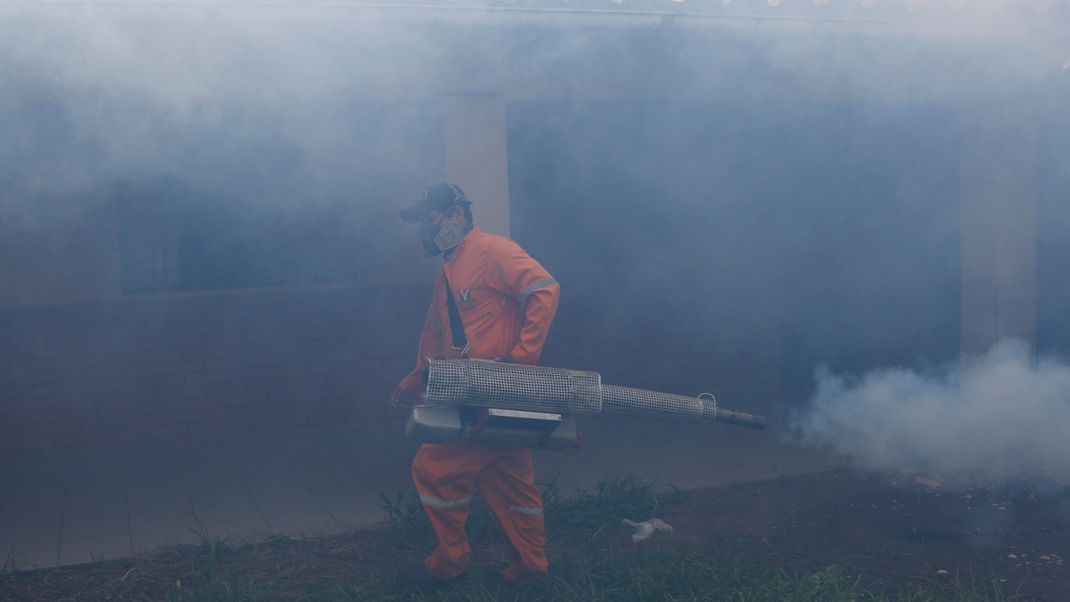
{"x":513,"y":387}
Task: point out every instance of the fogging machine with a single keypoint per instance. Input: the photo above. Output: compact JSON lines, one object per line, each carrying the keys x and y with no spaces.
{"x":512,"y":405}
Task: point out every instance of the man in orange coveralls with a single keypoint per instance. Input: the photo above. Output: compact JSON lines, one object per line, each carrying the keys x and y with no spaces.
{"x":503,"y":304}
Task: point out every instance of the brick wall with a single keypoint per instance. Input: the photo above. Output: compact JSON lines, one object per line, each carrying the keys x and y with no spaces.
{"x":199,"y":368}
{"x":187,"y":369}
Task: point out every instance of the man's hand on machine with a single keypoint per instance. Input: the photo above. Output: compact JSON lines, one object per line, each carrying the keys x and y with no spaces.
{"x":401,"y":399}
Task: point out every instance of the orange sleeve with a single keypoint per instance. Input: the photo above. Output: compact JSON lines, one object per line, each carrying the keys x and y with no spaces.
{"x":430,"y":340}
{"x":514,"y":273}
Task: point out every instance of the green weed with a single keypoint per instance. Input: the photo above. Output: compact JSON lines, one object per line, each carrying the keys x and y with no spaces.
{"x":406,"y":520}
{"x":591,"y":560}
{"x":611,"y":501}
{"x":222,"y":589}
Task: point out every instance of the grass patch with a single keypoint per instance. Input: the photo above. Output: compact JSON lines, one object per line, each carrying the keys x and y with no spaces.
{"x":642,"y":576}
{"x":593,"y":560}
{"x":587,"y":512}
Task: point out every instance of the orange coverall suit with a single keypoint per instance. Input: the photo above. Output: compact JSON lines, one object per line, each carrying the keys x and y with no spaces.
{"x":507,"y":302}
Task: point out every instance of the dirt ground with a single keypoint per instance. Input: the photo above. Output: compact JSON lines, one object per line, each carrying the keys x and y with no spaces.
{"x":893,"y":530}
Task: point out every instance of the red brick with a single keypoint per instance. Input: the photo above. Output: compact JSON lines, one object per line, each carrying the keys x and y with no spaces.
{"x":65,"y":427}
{"x":256,"y":411}
{"x":153,"y":357}
{"x":183,"y":393}
{"x":266,"y":423}
{"x":169,"y":430}
{"x":152,"y":381}
{"x":310,"y":429}
{"x":261,"y":360}
{"x":198,"y":353}
{"x":162,"y":368}
{"x":31,"y":415}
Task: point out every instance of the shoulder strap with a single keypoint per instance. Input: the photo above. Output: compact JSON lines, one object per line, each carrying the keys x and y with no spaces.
{"x":460,"y":339}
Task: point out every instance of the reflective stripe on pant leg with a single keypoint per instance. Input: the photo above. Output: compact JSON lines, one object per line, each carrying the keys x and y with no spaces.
{"x":434,"y":501}
{"x":444,"y":477}
{"x":508,"y":487}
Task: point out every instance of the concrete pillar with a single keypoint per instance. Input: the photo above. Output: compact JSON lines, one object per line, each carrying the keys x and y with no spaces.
{"x":477,"y":156}
{"x":998,"y":205}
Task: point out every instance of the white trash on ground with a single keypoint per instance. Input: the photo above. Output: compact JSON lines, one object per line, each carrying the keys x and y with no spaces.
{"x":646,"y":528}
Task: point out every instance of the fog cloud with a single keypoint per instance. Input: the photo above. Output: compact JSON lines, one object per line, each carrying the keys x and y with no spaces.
{"x":991,"y":419}
{"x":773,"y":166}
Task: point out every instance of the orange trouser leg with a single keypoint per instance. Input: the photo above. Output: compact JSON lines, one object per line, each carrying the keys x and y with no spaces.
{"x":445,"y":476}
{"x":508,"y":487}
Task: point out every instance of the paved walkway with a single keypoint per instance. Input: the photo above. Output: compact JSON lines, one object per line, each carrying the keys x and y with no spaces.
{"x":79,"y":509}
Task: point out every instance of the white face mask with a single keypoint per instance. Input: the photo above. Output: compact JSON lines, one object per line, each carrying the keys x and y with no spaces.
{"x":446,"y":237}
{"x":449,"y":235}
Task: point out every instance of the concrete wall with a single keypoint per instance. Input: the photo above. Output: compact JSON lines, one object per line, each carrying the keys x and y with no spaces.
{"x":477,"y":156}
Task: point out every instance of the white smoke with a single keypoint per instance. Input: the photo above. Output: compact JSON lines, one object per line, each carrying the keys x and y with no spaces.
{"x":999,"y":417}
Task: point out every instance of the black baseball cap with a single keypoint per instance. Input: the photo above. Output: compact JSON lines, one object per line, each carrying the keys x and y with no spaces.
{"x":436,"y":197}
